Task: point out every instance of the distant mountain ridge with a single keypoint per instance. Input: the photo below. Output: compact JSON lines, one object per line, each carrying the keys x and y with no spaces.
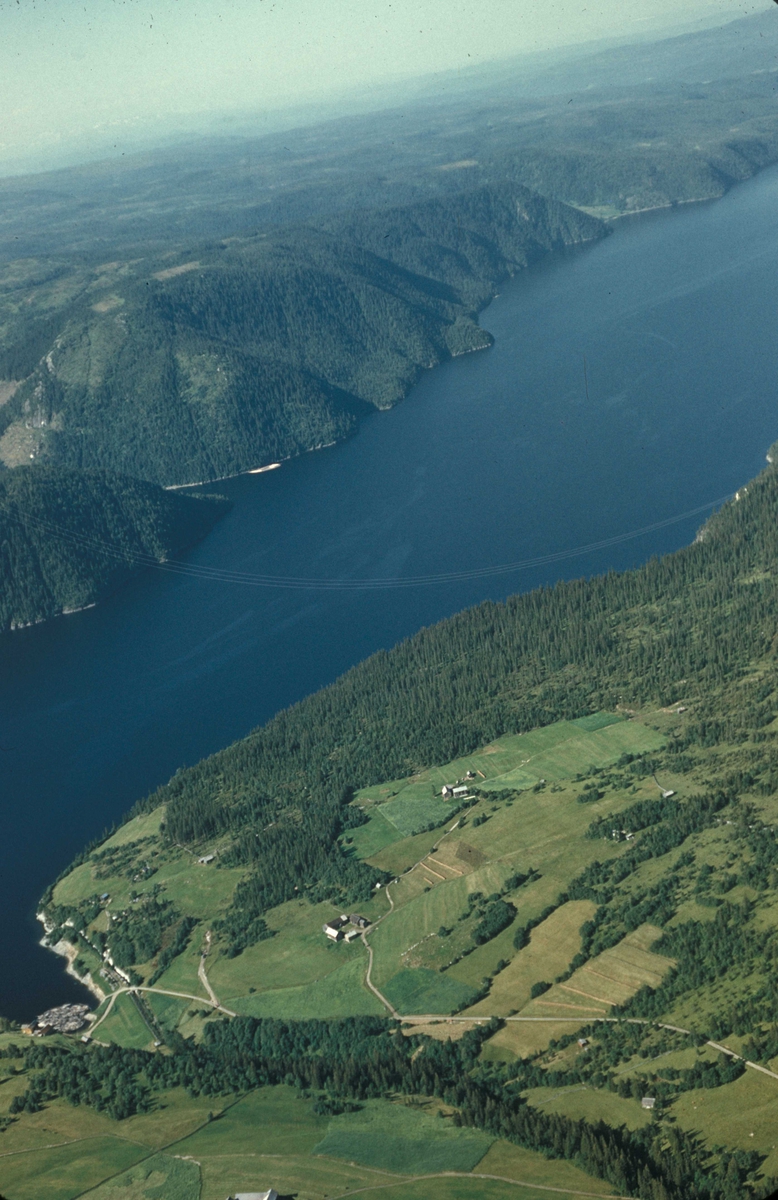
{"x":69,"y":537}
{"x":193,"y":367}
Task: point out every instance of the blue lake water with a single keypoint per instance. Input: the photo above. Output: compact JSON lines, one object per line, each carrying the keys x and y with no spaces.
{"x":498,"y":457}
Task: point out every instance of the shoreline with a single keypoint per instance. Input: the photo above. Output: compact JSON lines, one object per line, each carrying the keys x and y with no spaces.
{"x":68,"y":951}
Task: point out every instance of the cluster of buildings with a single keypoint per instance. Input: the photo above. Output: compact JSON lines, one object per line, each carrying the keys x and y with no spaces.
{"x":68,"y":1018}
{"x":334,"y":929}
{"x":458,"y":790}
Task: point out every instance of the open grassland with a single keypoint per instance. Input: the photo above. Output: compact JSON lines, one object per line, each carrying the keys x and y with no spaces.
{"x":607,"y":980}
{"x":406,"y":1140}
{"x":522,"y":1039}
{"x":124,"y":1024}
{"x":590,"y":1104}
{"x":298,"y":955}
{"x":552,"y":946}
{"x":61,"y":1172}
{"x":342,"y":993}
{"x":420,"y":990}
{"x":160,"y":1176}
{"x":743,"y":1114}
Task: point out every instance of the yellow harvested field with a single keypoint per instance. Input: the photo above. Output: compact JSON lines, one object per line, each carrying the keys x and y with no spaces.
{"x":521,"y":1039}
{"x":552,"y":947}
{"x":610,"y":978}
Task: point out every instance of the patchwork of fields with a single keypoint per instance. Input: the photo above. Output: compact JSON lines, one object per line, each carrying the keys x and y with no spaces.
{"x":270,"y":1138}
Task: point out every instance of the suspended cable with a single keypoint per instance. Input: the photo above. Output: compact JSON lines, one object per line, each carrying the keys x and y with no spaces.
{"x":293,"y":582}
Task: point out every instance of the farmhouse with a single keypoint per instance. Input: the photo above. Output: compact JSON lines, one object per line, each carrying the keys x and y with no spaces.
{"x":446,"y":792}
{"x":271,"y":1195}
{"x":207,"y":858}
{"x":352,"y":935}
{"x":648,"y":1102}
{"x":359,"y":921}
{"x":332,"y":931}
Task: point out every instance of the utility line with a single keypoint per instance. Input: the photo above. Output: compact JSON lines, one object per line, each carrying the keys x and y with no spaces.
{"x":301,"y":583}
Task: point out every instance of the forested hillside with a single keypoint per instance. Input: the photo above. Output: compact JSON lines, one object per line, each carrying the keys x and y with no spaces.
{"x":611,"y":878}
{"x":190,"y":367}
{"x":68,"y":537}
{"x":695,"y":622}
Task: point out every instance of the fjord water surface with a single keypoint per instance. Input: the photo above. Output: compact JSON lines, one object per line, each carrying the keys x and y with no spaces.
{"x":497,"y":457}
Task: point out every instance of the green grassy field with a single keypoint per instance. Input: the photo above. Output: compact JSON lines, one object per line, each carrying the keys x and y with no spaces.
{"x":406,"y":1140}
{"x":270,"y":1138}
{"x":552,"y":946}
{"x":298,"y":972}
{"x":341,"y":993}
{"x":590,"y":1104}
{"x":124,"y":1025}
{"x":423,"y":991}
{"x":157,"y":1177}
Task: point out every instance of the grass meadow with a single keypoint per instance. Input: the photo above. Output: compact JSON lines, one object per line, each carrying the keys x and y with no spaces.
{"x":590,"y":1104}
{"x":420,"y":990}
{"x":393,"y":1137}
{"x":342,"y":993}
{"x":157,"y":1177}
{"x":607,"y":980}
{"x":552,"y":946}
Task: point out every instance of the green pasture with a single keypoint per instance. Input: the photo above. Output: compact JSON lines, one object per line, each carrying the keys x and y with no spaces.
{"x":342,"y":993}
{"x":518,"y":761}
{"x":300,"y":954}
{"x":420,"y":990}
{"x":411,"y":813}
{"x":376,"y":835}
{"x":125,"y":1026}
{"x":393,"y":1137}
{"x":61,"y":1172}
{"x":743,"y":1114}
{"x":269,"y":1121}
{"x":155,"y":1178}
{"x":584,"y":1103}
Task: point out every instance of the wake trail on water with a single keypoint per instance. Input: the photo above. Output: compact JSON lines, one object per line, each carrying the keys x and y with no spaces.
{"x":301,"y":583}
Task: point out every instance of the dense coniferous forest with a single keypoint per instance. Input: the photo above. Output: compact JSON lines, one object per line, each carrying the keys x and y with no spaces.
{"x":68,"y":537}
{"x":255,"y":350}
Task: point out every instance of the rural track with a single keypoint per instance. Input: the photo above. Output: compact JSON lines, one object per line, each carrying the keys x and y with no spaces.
{"x":201,"y":975}
{"x":214,"y":1003}
{"x":538,"y":1187}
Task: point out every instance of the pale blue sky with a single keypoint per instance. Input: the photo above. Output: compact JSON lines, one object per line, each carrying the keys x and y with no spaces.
{"x":71,"y":68}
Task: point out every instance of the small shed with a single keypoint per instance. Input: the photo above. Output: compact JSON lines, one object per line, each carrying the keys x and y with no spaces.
{"x":207,"y":858}
{"x":360,"y":921}
{"x":271,"y":1195}
{"x":460,"y":791}
{"x":446,"y":792}
{"x":583,"y":1043}
{"x":648,"y":1102}
{"x":352,"y":935}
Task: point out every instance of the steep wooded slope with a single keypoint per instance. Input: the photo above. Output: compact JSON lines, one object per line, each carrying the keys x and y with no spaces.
{"x":201,"y":365}
{"x":67,"y":537}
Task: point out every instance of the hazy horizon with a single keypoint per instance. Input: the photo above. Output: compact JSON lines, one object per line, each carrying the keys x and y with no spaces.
{"x":87,"y":80}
